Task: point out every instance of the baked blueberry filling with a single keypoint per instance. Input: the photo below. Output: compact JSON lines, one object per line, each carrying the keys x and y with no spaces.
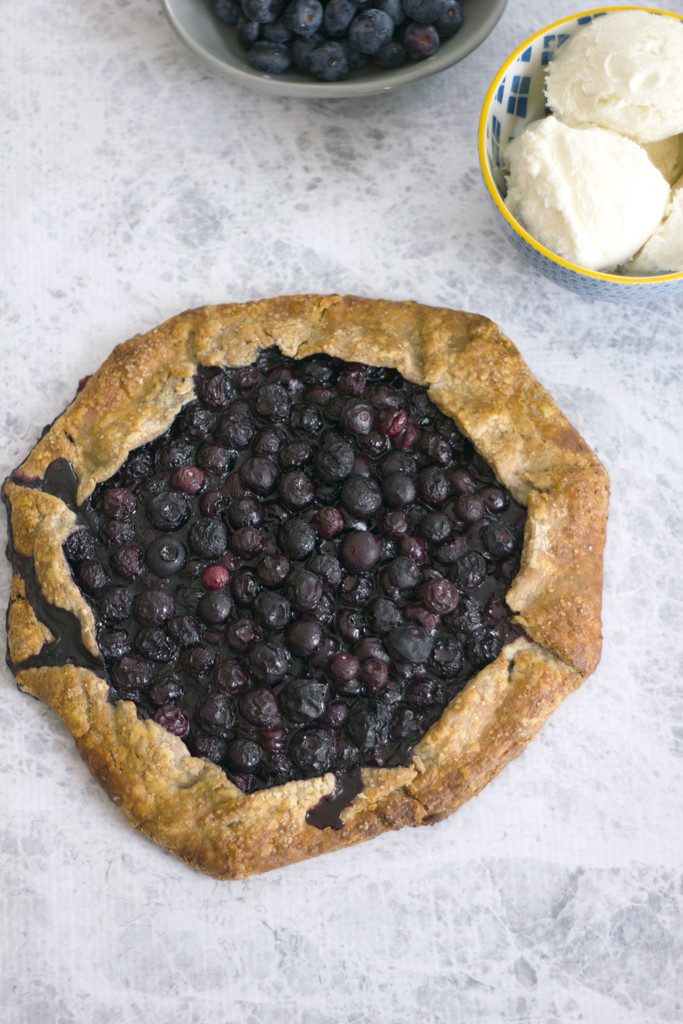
{"x":300,"y":574}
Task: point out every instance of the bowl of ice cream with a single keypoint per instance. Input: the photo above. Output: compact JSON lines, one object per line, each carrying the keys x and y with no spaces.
{"x":581,"y":150}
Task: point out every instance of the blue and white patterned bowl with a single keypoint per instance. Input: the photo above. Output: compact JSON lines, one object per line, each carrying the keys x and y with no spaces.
{"x":516,"y":98}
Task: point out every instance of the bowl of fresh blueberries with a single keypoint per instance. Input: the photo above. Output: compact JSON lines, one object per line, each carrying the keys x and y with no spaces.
{"x":325,"y":49}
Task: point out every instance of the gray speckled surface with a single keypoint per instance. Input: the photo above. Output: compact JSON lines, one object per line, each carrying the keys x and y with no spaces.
{"x":134,"y":183}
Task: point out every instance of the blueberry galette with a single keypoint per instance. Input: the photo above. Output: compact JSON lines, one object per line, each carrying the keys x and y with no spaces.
{"x":300,"y":571}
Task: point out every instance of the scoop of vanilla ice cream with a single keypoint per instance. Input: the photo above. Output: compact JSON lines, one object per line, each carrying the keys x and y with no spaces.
{"x":663,"y":251}
{"x":622,"y":71}
{"x":667,"y":156}
{"x":589,"y":195}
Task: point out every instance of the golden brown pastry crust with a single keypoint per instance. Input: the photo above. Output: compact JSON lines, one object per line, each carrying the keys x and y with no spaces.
{"x":476,"y":376}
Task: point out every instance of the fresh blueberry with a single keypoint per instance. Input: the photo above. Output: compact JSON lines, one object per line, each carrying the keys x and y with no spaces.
{"x":450,"y":20}
{"x":303,"y":17}
{"x":338,"y":16}
{"x":227,"y":10}
{"x":371,"y":30}
{"x":276,"y":32}
{"x":232,"y":433}
{"x":262,"y":10}
{"x":391,"y":55}
{"x":420,"y":41}
{"x":424,"y":11}
{"x":301,"y":51}
{"x":332,"y":62}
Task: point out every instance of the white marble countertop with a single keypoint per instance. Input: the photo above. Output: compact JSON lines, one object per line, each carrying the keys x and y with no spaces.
{"x":135,"y":183}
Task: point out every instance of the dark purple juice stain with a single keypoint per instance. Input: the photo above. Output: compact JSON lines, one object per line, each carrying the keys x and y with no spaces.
{"x":327,"y":812}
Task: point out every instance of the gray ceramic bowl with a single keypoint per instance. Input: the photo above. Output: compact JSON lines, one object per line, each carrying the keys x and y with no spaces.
{"x":216,"y":44}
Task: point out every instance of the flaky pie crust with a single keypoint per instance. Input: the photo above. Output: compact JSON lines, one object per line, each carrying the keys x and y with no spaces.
{"x":476,"y":376}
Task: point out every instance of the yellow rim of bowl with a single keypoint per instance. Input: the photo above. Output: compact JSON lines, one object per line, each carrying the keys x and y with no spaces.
{"x":492,"y":187}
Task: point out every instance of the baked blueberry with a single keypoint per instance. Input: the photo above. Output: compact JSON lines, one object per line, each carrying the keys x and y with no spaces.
{"x":132,"y":673}
{"x":128,"y":561}
{"x":155,"y":644}
{"x":168,"y":511}
{"x":242,"y":635}
{"x":272,"y":611}
{"x":185,"y":630}
{"x":334,"y":460}
{"x":303,"y":637}
{"x":216,"y":714}
{"x":80,"y":546}
{"x":304,"y":700}
{"x":361,"y":497}
{"x":313,"y":750}
{"x":273,"y":570}
{"x":296,"y":490}
{"x":398,"y":490}
{"x":268,"y":663}
{"x":198,"y":661}
{"x":297,"y":538}
{"x":243,"y":755}
{"x":359,"y":550}
{"x":113,"y":643}
{"x":328,"y":522}
{"x":153,"y":606}
{"x":304,"y":589}
{"x":115,"y":603}
{"x":260,"y":707}
{"x":173,"y":720}
{"x":244,"y":512}
{"x":215,"y":607}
